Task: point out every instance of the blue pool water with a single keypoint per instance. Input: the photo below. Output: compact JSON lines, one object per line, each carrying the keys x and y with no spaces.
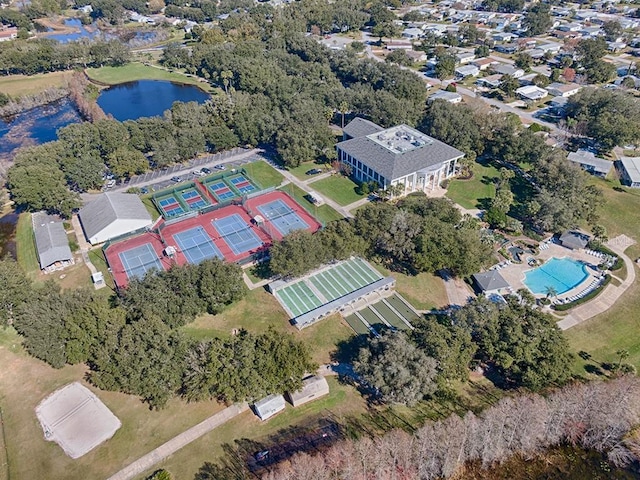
{"x":562,"y":274}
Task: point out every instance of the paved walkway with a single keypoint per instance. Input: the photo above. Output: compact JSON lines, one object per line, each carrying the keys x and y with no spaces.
{"x":176,"y":443}
{"x":309,"y":188}
{"x":84,"y":248}
{"x":611,"y":294}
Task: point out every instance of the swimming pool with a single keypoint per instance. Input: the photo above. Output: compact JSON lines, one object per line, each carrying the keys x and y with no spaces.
{"x":561,"y":274}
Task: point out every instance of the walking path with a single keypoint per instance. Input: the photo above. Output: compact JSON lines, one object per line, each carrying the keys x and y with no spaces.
{"x":611,"y":294}
{"x":176,"y":443}
{"x":84,"y":248}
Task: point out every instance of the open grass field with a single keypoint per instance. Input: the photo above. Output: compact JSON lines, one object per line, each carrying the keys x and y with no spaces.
{"x":264,"y":174}
{"x":616,"y":329}
{"x":259,"y":311}
{"x":342,"y":401}
{"x":25,"y":381}
{"x":476,"y":191}
{"x":424,"y":291}
{"x":19,"y":85}
{"x":137,"y":71}
{"x":26,"y":246}
{"x":300,"y":170}
{"x":323,"y":213}
{"x":338,"y":188}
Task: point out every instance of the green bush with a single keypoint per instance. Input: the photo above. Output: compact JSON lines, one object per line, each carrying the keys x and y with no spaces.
{"x":566,"y":306}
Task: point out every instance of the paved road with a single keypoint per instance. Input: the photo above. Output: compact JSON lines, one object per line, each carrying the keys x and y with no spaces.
{"x":176,"y":443}
{"x":611,"y":294}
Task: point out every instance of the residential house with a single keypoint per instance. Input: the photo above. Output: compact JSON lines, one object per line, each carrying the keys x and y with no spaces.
{"x":558,"y":89}
{"x":417,"y":55}
{"x":505,"y":69}
{"x":399,"y":45}
{"x":465,"y":71}
{"x":507,"y":48}
{"x":616,"y":46}
{"x":570,"y":27}
{"x":412,"y":33}
{"x":113,"y":214}
{"x":590,"y":163}
{"x":465,"y":57}
{"x":484,"y":63}
{"x":531,"y":93}
{"x":52,"y":244}
{"x":503,"y":37}
{"x":451,"y":97}
{"x":269,"y":406}
{"x":312,"y":388}
{"x":492,"y":81}
{"x":397,"y":156}
{"x":552,"y":47}
{"x":527,"y":79}
{"x":629,"y":168}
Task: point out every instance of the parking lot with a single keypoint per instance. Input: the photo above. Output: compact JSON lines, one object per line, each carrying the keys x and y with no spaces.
{"x":162,"y":178}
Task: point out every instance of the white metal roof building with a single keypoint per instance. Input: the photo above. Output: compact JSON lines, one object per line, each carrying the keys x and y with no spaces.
{"x":630,"y":171}
{"x":112,"y":215}
{"x":399,"y":155}
{"x":312,"y":388}
{"x":52,"y":245}
{"x":269,"y":406}
{"x":531,"y":92}
{"x":590,"y":163}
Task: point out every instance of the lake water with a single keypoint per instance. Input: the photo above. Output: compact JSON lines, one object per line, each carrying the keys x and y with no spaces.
{"x":146,"y":98}
{"x":81,"y":32}
{"x":38,"y":125}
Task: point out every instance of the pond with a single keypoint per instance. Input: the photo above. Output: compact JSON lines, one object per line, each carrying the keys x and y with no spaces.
{"x":35,"y":126}
{"x":146,"y":98}
{"x":79,"y":31}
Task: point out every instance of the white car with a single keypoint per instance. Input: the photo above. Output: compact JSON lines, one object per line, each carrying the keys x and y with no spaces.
{"x":111,"y":183}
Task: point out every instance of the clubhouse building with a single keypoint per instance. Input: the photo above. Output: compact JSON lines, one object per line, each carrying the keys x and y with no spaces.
{"x":399,"y":155}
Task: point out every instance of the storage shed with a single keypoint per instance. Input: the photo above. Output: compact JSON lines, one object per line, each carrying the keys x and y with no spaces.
{"x":312,"y":388}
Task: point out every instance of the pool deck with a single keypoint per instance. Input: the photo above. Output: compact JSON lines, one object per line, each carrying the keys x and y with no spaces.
{"x":514,"y":273}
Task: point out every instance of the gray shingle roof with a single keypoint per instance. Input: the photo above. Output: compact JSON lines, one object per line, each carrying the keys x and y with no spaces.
{"x":52,"y":244}
{"x":108,"y":208}
{"x":359,"y":127}
{"x":584,"y":157}
{"x":632,"y":166}
{"x":314,"y":386}
{"x":575,"y":240}
{"x":392,"y":165}
{"x":491,"y":280}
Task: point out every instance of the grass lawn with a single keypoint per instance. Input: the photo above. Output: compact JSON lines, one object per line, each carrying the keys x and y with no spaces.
{"x":338,"y":188}
{"x":137,"y":71}
{"x":246,"y":429}
{"x":620,"y":212}
{"x":476,"y":191}
{"x":150,"y":206}
{"x":25,"y":382}
{"x":259,"y":311}
{"x":26,"y":246}
{"x":424,"y":291}
{"x":18,"y":85}
{"x":97,"y":258}
{"x":323,"y":213}
{"x":300,"y":170}
{"x":264,"y":174}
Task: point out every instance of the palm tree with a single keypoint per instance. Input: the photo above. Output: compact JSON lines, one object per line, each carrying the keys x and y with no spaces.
{"x":623,"y":355}
{"x":551,"y":291}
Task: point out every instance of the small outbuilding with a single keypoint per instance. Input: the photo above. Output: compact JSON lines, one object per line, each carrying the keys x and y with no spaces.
{"x":52,"y":244}
{"x":113,"y":214}
{"x":574,"y":240}
{"x":269,"y":406}
{"x":490,"y":282}
{"x":312,"y":388}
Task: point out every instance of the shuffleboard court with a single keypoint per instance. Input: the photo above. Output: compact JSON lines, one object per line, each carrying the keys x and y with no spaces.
{"x":139,"y":260}
{"x":402,"y":308}
{"x":196,"y":245}
{"x":282,"y":216}
{"x":357,"y":325}
{"x":390,"y":316}
{"x":237,"y":234}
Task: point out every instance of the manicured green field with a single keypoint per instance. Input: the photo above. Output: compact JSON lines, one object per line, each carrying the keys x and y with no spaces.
{"x":424,"y":291}
{"x":264,"y":174}
{"x":338,"y":188}
{"x":26,"y":246}
{"x":300,"y":170}
{"x":137,"y":71}
{"x":477,"y":191}
{"x":323,"y":213}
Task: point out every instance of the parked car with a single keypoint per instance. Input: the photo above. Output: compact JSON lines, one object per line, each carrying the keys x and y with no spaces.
{"x":144,"y":190}
{"x":176,"y":179}
{"x":197,"y":173}
{"x":205,"y":171}
{"x":111,"y":183}
{"x":220,"y":167}
{"x":313,"y":171}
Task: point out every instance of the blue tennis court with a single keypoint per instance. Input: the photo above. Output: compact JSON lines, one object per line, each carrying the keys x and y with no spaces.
{"x":282,"y":216}
{"x":237,"y":234}
{"x":170,"y":206}
{"x":242,"y":184}
{"x":196,"y":245}
{"x":221,"y":190}
{"x":193,"y":199}
{"x":139,"y":260}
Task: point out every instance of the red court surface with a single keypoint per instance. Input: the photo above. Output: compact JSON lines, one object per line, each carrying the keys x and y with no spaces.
{"x":113,"y":257}
{"x":204,"y":220}
{"x":162,"y":236}
{"x":252,"y":205}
